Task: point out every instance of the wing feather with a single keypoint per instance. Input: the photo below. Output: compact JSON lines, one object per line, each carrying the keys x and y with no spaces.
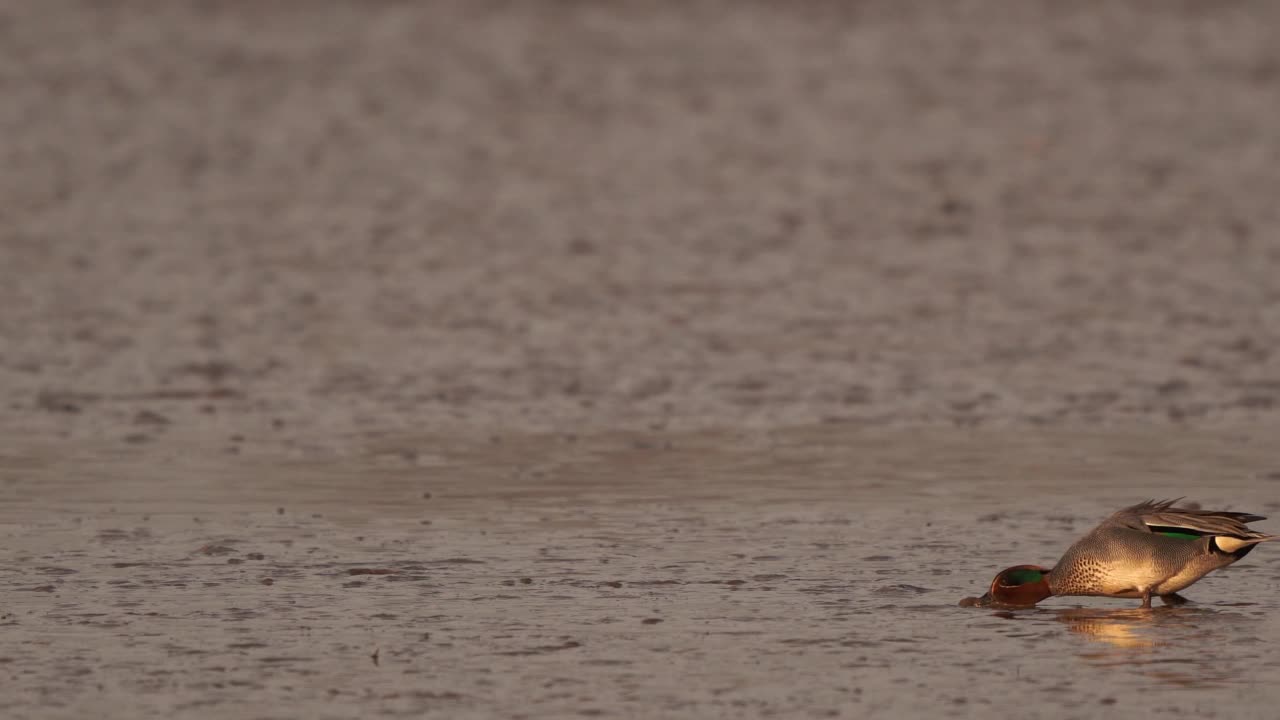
{"x":1165,"y":514}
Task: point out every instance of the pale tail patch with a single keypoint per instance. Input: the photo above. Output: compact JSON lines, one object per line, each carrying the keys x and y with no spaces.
{"x":1228,"y":544}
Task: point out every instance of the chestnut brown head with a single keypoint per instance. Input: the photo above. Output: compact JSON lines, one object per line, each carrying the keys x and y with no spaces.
{"x":1018,"y":586}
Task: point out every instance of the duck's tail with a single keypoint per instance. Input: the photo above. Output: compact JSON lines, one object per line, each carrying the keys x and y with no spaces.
{"x":1240,"y":545}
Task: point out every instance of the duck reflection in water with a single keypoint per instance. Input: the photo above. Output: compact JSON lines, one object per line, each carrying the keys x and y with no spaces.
{"x":1172,"y":646}
{"x":1127,"y":629}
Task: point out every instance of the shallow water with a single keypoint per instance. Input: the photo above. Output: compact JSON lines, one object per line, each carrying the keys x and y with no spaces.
{"x":811,"y":572}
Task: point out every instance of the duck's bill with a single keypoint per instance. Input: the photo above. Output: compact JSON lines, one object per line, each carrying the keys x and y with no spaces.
{"x":986,"y":601}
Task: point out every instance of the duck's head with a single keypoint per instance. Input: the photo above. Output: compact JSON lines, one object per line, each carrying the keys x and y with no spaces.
{"x":1018,"y":586}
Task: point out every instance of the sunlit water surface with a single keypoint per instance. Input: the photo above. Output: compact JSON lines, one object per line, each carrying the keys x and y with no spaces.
{"x":805,"y":573}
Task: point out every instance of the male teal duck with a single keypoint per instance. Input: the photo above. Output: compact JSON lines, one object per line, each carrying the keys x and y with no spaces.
{"x":1152,"y":548}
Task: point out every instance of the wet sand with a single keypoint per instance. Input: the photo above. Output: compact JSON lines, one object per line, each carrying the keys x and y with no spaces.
{"x":556,"y":359}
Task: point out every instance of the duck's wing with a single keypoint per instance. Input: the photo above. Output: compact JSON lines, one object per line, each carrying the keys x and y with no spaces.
{"x":1163,"y":517}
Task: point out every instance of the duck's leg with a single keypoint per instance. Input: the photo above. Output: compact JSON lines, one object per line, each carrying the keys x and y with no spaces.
{"x":1173,"y":600}
{"x":1146,"y":600}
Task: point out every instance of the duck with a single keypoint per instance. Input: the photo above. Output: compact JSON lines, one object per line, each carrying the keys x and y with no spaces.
{"x":1154,"y":548}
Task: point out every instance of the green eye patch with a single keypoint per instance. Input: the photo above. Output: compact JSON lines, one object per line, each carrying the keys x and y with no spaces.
{"x":1022,"y":577}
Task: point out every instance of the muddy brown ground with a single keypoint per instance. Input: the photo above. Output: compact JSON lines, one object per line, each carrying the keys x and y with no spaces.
{"x":753,"y":335}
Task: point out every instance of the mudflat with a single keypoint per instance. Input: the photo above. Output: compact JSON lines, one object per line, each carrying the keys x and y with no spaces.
{"x":655,"y":360}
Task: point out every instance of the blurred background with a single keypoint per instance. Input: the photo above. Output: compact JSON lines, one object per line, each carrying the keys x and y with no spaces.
{"x":559,"y":358}
{"x":320,"y":217}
